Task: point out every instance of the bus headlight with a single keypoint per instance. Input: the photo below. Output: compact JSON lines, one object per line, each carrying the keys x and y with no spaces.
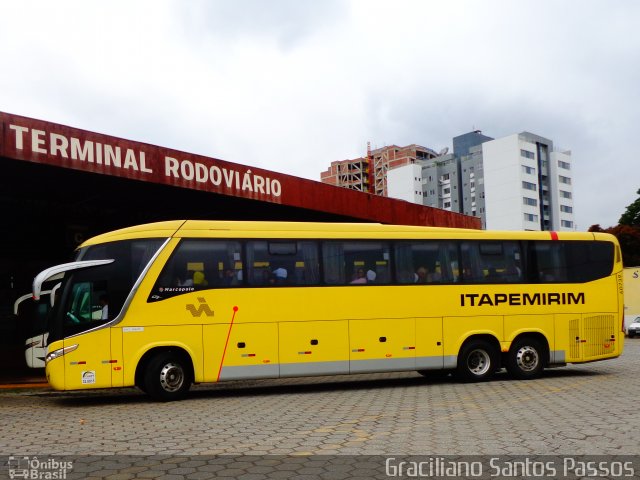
{"x":59,"y":353}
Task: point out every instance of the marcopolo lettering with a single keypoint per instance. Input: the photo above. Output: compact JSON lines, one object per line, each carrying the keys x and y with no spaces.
{"x":521,"y":299}
{"x":226,"y":177}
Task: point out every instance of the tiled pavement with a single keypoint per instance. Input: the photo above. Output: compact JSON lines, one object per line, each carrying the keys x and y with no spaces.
{"x":275,"y":427}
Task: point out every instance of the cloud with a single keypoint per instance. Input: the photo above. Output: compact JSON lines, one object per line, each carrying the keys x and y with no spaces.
{"x":292,"y":85}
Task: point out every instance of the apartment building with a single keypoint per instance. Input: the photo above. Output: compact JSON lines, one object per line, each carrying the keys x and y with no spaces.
{"x":518,"y":182}
{"x":369,"y":173}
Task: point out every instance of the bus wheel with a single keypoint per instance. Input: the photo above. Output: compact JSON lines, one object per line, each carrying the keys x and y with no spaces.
{"x":167,"y":377}
{"x":477,"y":361}
{"x":525,"y":359}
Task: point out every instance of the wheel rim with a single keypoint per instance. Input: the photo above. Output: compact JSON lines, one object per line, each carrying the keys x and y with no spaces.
{"x":171,"y":377}
{"x":478,"y":362}
{"x":527,"y":359}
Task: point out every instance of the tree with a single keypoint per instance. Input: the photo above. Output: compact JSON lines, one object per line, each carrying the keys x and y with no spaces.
{"x":629,"y":239}
{"x":631,"y":216}
{"x":628,"y":234}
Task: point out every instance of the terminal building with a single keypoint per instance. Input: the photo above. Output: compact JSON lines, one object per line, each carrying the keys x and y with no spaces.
{"x":60,"y":185}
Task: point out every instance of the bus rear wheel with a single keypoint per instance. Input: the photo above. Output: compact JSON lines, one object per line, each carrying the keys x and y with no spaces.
{"x":477,"y":361}
{"x":525,"y":359}
{"x":167,"y":377}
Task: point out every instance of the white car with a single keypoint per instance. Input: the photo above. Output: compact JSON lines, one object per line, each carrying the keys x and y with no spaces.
{"x":634,"y":328}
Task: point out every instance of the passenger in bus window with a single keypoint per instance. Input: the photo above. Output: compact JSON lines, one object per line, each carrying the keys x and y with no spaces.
{"x":513,"y":274}
{"x":280,"y":275}
{"x":230,"y":278}
{"x":184,"y":278}
{"x":104,"y":302}
{"x":421,"y":275}
{"x":359,"y":277}
{"x":371,"y":276}
{"x":435,"y":277}
{"x":199,"y":280}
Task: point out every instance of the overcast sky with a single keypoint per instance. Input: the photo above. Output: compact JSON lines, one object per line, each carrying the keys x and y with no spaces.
{"x":291,"y":85}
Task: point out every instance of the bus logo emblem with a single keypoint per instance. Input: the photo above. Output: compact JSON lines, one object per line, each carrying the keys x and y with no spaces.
{"x":202,"y":308}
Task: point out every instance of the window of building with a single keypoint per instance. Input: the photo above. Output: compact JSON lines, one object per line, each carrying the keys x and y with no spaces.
{"x":566,"y":209}
{"x":565,"y":180}
{"x":565,"y":165}
{"x":533,"y":202}
{"x":529,"y":186}
{"x":445,"y":177}
{"x":528,"y":170}
{"x":566,"y":223}
{"x":446,"y":191}
{"x":529,"y":217}
{"x":527,"y":154}
{"x":564,"y":194}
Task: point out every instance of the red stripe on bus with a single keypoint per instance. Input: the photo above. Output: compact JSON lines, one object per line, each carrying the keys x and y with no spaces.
{"x":554,"y":235}
{"x":226,"y":344}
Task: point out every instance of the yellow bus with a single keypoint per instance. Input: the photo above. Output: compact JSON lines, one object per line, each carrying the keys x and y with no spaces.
{"x":165,"y":305}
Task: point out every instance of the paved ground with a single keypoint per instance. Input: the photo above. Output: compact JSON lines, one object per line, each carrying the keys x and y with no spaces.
{"x":590,"y":409}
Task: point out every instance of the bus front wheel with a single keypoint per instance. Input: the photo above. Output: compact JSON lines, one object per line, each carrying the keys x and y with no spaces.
{"x":525,"y":359}
{"x":167,"y":377}
{"x":477,"y":361}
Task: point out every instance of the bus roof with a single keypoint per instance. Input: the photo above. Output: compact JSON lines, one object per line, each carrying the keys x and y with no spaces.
{"x":254,"y":229}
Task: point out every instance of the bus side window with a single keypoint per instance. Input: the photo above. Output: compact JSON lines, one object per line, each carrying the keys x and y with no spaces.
{"x":333,"y":263}
{"x":199,"y":264}
{"x":283,"y":262}
{"x":492,"y":261}
{"x":424,"y":261}
{"x":472,"y":271}
{"x":547,"y":260}
{"x":348,"y":262}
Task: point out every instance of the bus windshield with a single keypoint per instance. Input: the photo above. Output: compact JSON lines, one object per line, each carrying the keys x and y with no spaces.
{"x":92,"y":297}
